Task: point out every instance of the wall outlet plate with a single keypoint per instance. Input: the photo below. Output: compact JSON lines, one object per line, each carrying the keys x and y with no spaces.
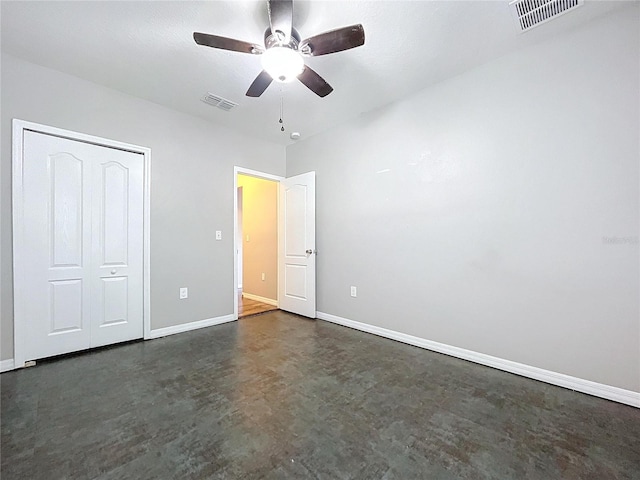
{"x":354,"y":291}
{"x":184,"y":293}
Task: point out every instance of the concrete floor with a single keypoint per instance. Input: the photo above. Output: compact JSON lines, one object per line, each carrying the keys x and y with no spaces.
{"x":277,"y":396}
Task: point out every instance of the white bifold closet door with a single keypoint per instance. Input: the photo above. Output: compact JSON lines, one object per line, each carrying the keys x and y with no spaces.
{"x":82,"y":261}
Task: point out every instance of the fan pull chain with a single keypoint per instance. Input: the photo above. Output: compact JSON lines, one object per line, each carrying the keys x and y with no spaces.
{"x":281,"y":111}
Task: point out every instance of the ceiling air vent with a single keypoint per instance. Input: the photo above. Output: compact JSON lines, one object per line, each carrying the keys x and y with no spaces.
{"x":531,"y":13}
{"x":216,"y":101}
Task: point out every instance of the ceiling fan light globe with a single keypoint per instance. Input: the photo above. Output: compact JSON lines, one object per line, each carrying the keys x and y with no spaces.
{"x":282,"y":63}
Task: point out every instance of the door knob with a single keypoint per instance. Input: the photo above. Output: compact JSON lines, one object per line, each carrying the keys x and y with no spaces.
{"x":309,"y":252}
{"x":113,"y":272}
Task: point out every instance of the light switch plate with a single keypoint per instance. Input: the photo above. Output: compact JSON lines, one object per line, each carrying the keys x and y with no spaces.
{"x":184,"y":293}
{"x":218,"y":234}
{"x":354,"y":291}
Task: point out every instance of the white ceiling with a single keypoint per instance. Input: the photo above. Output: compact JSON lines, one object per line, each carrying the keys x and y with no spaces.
{"x":146,"y":49}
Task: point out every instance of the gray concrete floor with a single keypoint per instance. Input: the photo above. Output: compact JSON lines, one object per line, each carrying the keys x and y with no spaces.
{"x":278,"y":396}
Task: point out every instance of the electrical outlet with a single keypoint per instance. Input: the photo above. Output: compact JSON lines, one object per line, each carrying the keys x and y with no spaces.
{"x":184,"y":293}
{"x":354,"y":292}
{"x":263,"y":276}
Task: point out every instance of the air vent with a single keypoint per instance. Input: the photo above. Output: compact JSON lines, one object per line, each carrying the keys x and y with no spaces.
{"x":216,"y":101}
{"x":531,"y":13}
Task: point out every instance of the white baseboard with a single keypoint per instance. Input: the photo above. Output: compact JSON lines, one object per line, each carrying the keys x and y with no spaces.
{"x":186,"y":327}
{"x":616,"y":394}
{"x":268,"y":301}
{"x":6,"y":365}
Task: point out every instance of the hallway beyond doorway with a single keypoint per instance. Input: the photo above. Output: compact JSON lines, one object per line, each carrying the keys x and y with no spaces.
{"x":256,"y":242}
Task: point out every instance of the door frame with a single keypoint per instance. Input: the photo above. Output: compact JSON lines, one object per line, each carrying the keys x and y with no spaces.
{"x":18,"y":214}
{"x":266,"y":176}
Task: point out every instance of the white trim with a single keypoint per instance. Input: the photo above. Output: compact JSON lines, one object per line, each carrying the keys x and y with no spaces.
{"x":18,"y":237}
{"x":186,"y":327}
{"x":258,"y":298}
{"x":254,"y":173}
{"x":146,"y":279}
{"x":616,"y":394}
{"x":19,"y":127}
{"x":6,"y":365}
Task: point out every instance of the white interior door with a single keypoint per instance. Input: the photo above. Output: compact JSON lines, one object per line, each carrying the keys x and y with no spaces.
{"x":80,"y":267}
{"x":57,"y":251}
{"x":297,"y":241}
{"x":117,"y":246}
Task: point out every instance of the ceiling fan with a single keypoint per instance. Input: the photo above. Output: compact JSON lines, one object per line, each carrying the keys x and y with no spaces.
{"x":283,"y":53}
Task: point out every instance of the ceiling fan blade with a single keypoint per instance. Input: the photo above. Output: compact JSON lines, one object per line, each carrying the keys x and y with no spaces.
{"x":281,"y":17}
{"x":315,"y":82}
{"x":225,"y":43}
{"x":334,"y":41}
{"x":259,"y":85}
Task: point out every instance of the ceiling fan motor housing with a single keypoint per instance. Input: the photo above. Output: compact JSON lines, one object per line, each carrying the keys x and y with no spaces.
{"x":277,"y":39}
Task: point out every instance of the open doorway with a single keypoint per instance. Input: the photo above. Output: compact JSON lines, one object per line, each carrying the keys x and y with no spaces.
{"x":256,"y":243}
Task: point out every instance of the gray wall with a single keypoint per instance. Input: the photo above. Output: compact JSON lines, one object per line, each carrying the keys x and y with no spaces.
{"x":191,"y":185}
{"x":475,"y":213}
